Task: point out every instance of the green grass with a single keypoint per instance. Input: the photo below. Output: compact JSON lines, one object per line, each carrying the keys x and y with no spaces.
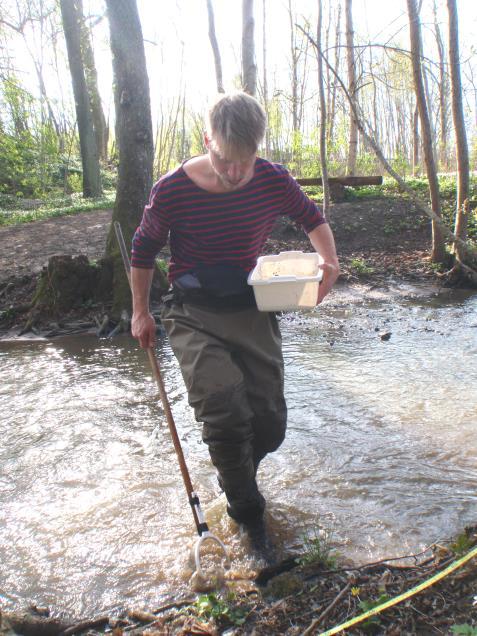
{"x":10,"y":214}
{"x":359,"y":266}
{"x":461,"y":545}
{"x":318,"y":549}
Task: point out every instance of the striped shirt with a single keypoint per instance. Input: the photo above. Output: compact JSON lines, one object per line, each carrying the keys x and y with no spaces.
{"x":206,"y":228}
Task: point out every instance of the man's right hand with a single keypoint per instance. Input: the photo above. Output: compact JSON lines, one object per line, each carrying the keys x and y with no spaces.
{"x":143,"y":327}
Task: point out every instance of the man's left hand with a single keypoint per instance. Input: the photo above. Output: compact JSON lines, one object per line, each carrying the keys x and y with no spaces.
{"x":330,"y":274}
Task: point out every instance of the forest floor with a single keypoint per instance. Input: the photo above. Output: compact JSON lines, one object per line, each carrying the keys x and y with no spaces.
{"x":380,"y":241}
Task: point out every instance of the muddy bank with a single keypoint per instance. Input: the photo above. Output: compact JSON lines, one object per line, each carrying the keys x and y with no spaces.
{"x":378,"y":240}
{"x":432,"y":592}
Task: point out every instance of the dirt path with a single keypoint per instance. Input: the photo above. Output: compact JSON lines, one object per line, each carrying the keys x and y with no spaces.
{"x":26,"y":248}
{"x":387,"y":231}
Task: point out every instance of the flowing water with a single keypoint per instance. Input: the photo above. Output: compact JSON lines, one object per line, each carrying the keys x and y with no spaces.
{"x":380,"y":453}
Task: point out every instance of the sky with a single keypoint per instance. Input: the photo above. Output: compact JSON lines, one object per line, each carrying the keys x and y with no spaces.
{"x":179,"y":54}
{"x":378,"y":21}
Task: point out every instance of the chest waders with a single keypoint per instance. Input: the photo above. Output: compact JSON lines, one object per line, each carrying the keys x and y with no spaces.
{"x":201,"y":525}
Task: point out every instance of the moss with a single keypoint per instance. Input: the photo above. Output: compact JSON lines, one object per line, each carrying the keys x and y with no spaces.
{"x":66,"y":283}
{"x":285,"y":584}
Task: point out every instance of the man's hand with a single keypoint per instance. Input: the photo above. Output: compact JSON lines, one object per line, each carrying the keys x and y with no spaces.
{"x":330,"y":274}
{"x":322,"y":240}
{"x":143,"y":327}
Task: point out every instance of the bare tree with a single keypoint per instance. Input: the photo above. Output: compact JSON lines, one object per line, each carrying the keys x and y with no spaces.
{"x":294,"y":56}
{"x":443,"y":92}
{"x":133,"y":134}
{"x":332,"y":108}
{"x":265,"y":79}
{"x":321,"y":87}
{"x":72,"y":14}
{"x":416,"y":142}
{"x":467,"y":247}
{"x":462,"y":152}
{"x":91,"y":76}
{"x":215,"y":47}
{"x":353,"y":131}
{"x":249,"y":68}
{"x":438,"y":253}
{"x":31,"y":14}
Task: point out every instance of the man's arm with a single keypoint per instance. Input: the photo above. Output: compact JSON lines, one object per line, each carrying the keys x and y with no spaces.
{"x":143,"y":325}
{"x":322,"y":240}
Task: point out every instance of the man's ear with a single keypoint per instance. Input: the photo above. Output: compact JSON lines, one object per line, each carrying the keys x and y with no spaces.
{"x":206,"y":140}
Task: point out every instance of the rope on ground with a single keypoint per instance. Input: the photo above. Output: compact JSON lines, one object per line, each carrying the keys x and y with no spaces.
{"x":402,"y":597}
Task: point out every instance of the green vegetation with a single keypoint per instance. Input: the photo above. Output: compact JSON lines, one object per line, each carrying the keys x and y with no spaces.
{"x":11,"y":214}
{"x":162,"y":266}
{"x":224,"y":609}
{"x":464,"y":629}
{"x":461,"y":545}
{"x":359,"y":266}
{"x":368,"y":604}
{"x":318,"y":549}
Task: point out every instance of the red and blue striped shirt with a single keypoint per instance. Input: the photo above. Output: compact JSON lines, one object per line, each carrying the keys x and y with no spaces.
{"x":206,"y":228}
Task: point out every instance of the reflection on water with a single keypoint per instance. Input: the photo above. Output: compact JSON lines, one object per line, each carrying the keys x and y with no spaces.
{"x":381,"y":449}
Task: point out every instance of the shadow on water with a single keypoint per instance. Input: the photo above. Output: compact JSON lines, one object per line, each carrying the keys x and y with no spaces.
{"x":381,"y":451}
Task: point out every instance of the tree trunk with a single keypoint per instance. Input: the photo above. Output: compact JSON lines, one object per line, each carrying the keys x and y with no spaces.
{"x":332,"y":113}
{"x":443,"y":91}
{"x":265,"y":80}
{"x":353,"y":131}
{"x":91,"y":76}
{"x":294,"y":70}
{"x":133,"y":134}
{"x":324,"y":167}
{"x":72,"y":15}
{"x":468,"y":247}
{"x":462,"y":152}
{"x":438,"y":253}
{"x":415,"y":142}
{"x":215,"y":47}
{"x":249,"y":68}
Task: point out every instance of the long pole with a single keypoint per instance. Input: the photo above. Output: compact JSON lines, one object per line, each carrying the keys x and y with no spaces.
{"x":193,"y":499}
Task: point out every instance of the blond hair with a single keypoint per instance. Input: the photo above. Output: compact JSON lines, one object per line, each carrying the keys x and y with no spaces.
{"x":236,"y":123}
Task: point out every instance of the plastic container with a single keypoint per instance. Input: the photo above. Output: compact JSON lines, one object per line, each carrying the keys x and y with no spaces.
{"x":287,"y":281}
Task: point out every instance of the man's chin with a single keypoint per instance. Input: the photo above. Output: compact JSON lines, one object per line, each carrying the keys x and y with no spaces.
{"x":232,"y":186}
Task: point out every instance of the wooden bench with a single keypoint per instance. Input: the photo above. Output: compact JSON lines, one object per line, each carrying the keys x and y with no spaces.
{"x":338,"y":184}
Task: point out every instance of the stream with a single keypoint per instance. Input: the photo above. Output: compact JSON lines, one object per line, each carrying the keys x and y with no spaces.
{"x":380,"y":456}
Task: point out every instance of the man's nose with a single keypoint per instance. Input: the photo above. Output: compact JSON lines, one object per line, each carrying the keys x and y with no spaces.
{"x":234,"y":172}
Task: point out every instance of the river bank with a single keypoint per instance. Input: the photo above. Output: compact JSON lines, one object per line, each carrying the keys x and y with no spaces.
{"x":432,"y":592}
{"x":379,"y":241}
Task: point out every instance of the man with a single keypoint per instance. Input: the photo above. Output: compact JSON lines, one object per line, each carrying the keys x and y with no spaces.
{"x":217,"y":210}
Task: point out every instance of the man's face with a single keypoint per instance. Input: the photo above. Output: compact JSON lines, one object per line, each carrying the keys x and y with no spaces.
{"x":233,"y":172}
